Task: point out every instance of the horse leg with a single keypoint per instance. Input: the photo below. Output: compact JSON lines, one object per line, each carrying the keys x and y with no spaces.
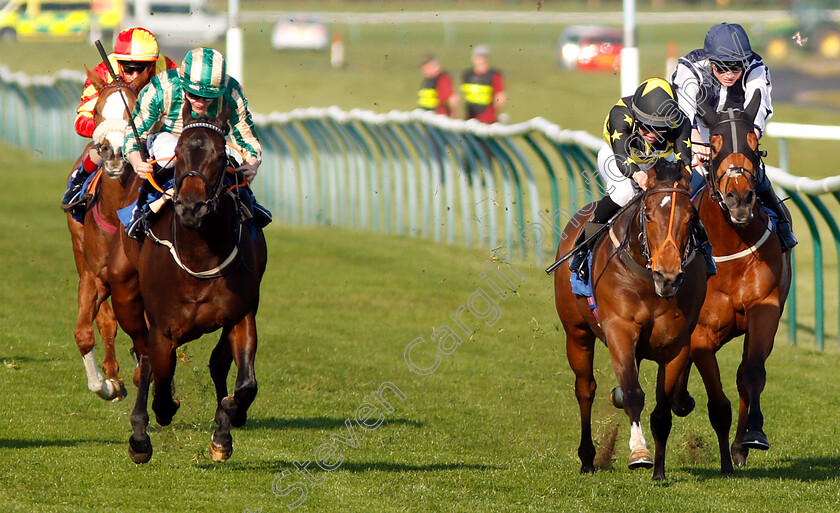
{"x":720,"y":409}
{"x":762,"y":323}
{"x":626,"y":368}
{"x":88,"y":306}
{"x":221,"y":443}
{"x":140,"y":445}
{"x":660,"y":420}
{"x":106,"y":322}
{"x":126,"y":301}
{"x":162,"y":357}
{"x":580,"y":351}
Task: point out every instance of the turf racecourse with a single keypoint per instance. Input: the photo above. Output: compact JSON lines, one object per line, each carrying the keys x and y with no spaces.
{"x":493,"y":428}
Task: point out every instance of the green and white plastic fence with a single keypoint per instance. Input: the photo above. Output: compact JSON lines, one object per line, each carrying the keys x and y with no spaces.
{"x":505,"y":187}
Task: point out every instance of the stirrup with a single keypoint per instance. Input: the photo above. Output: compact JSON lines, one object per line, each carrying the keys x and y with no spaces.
{"x":578,"y":265}
{"x":77,"y":201}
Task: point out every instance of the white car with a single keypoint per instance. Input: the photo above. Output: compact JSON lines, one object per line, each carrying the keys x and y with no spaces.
{"x":177,"y":21}
{"x":300,"y":32}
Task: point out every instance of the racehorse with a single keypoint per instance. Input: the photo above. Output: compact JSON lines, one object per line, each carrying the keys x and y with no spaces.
{"x":648,"y":285}
{"x":747,"y":295}
{"x":198,"y":270}
{"x":92,"y":239}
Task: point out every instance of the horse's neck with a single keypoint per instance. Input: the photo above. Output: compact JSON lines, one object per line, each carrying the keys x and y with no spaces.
{"x":725,"y":236}
{"x":626,"y":230}
{"x":216,"y":236}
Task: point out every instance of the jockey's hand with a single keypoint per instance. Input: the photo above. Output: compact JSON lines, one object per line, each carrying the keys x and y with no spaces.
{"x":141,"y":167}
{"x":249,"y":169}
{"x":700,"y":151}
{"x":641,"y":178}
{"x":94,"y":155}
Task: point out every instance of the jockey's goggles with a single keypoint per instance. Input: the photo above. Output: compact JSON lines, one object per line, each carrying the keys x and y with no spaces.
{"x":648,"y":128}
{"x":728,"y":67}
{"x":130,"y":67}
{"x":196,"y":97}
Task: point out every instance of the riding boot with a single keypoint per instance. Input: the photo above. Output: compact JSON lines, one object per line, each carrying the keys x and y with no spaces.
{"x":261,"y":215}
{"x":74,"y":197}
{"x":604,"y":210}
{"x":767,"y":196}
{"x":136,"y":229}
{"x":701,"y":242}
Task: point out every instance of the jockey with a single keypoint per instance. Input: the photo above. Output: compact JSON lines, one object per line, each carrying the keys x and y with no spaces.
{"x":134,"y":50}
{"x":725,"y":73}
{"x":201,"y":80}
{"x":639,"y":130}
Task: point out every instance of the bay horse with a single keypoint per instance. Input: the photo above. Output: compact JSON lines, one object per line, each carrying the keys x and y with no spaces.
{"x":91,"y":239}
{"x":198,"y":270}
{"x":648,"y":283}
{"x":747,"y":295}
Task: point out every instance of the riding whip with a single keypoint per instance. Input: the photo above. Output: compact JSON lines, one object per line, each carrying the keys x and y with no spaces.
{"x":553,"y":267}
{"x":107,"y":62}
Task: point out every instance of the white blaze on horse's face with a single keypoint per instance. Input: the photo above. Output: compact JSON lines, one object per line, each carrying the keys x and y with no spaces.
{"x":115,"y":106}
{"x":665,"y":201}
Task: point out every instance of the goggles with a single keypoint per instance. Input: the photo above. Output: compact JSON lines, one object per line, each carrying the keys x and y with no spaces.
{"x":129,"y":67}
{"x":197,"y":97}
{"x":653,"y":129}
{"x":733,"y":67}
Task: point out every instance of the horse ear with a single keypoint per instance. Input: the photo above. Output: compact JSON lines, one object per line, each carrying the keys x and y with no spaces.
{"x":705,"y":110}
{"x":95,"y":79}
{"x":223,"y":116}
{"x":752,"y":107}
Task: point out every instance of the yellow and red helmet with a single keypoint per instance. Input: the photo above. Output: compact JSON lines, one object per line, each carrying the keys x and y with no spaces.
{"x":136,"y":45}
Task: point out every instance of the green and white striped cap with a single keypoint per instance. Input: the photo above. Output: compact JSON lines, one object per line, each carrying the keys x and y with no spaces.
{"x":202,"y":73}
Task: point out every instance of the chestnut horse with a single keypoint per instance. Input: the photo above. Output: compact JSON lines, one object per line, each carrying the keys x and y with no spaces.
{"x":648,"y":283}
{"x":747,"y":295}
{"x":92,"y":239}
{"x":198,"y":270}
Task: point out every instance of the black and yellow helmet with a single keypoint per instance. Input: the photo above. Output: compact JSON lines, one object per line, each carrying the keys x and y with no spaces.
{"x":654,"y":105}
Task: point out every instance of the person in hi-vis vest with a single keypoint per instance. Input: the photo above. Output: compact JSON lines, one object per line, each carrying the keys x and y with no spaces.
{"x":483,"y":88}
{"x":436,"y":92}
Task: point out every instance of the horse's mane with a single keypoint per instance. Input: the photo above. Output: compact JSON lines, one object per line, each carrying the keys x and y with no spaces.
{"x":668,"y":172}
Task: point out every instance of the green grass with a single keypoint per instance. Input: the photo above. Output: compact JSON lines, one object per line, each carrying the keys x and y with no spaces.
{"x":494,"y":428}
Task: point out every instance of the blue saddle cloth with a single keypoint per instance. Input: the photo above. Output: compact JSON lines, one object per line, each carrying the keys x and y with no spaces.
{"x":580,"y":287}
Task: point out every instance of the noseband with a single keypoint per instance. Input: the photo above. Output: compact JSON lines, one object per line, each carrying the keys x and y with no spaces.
{"x":737,"y":144}
{"x":217,"y":188}
{"x":669,"y":240}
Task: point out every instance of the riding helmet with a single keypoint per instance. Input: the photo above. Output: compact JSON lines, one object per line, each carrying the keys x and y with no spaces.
{"x":136,"y":45}
{"x":653,"y":104}
{"x":727,"y":42}
{"x":202,"y":73}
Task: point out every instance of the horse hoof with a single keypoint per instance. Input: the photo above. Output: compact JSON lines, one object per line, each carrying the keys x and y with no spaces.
{"x":218,"y":453}
{"x":683,"y":412}
{"x":640,"y":458}
{"x":617,"y":397}
{"x":140,"y":452}
{"x":756,"y":440}
{"x":739,"y":455}
{"x":120,"y":391}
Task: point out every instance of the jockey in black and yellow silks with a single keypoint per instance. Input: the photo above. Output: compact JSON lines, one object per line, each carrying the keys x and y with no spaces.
{"x":639,"y":130}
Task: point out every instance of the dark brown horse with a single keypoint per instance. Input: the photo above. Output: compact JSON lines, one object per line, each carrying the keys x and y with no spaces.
{"x":92,"y":239}
{"x":747,"y":295}
{"x":649,"y":287}
{"x":199,"y":270}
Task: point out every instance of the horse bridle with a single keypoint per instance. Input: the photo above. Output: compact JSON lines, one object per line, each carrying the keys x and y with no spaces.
{"x":217,"y":188}
{"x":739,"y":146}
{"x":669,"y":240}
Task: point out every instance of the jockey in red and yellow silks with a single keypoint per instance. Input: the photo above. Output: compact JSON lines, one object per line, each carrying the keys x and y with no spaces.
{"x":135,"y":50}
